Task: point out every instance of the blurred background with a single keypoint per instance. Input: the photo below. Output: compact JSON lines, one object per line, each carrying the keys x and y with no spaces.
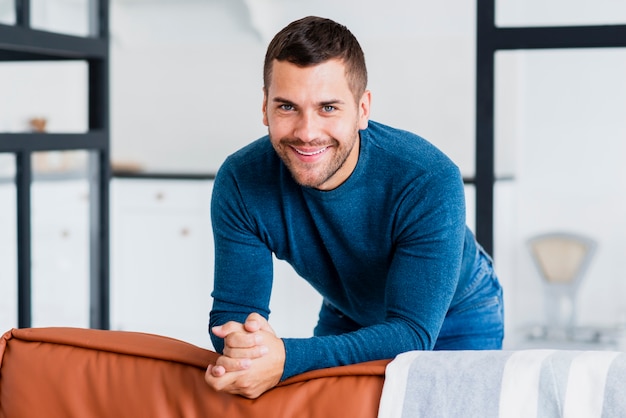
{"x":185,"y":92}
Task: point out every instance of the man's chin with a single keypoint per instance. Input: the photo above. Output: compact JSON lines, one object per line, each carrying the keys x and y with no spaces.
{"x":305,"y":180}
{"x":307,"y":183}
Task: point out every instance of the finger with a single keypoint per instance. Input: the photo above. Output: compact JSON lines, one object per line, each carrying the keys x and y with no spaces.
{"x":243,"y":340}
{"x":223,"y":330}
{"x":238,"y":383}
{"x":255,"y":322}
{"x":233,"y":383}
{"x":218,"y":371}
{"x":252,"y":323}
{"x":250,"y":353}
{"x":229,"y":364}
{"x":219,"y":382}
{"x":215,"y":371}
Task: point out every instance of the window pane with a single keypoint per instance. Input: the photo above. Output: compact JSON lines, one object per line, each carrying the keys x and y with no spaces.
{"x":60,"y":239}
{"x":505,"y":261}
{"x":8,"y":243}
{"x":470,"y":206}
{"x":50,"y":96}
{"x":7,"y":12}
{"x":62,"y":16}
{"x":559,"y":12}
{"x":565,"y":119}
{"x":507,"y":129}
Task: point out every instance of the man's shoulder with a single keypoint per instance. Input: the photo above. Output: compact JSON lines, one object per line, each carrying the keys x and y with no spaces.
{"x":382,"y":131}
{"x":254,"y":172}
{"x":253,"y":160}
{"x":404,"y":148}
{"x":253,"y":153}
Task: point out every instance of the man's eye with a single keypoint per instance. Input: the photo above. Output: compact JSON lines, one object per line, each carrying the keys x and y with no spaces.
{"x":287,"y":107}
{"x":328,"y":108}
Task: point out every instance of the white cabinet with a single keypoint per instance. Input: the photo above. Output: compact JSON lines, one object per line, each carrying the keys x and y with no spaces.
{"x":162,"y":257}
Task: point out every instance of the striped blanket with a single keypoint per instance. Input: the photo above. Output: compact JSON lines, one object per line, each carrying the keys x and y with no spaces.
{"x":524,"y":384}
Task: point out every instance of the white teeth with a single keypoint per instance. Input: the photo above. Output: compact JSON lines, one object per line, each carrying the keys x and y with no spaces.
{"x":310,"y":153}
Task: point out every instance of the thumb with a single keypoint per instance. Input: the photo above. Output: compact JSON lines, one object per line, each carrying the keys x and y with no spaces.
{"x":255,"y":322}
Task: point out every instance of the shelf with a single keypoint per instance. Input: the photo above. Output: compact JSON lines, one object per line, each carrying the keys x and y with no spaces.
{"x":15,"y":142}
{"x":25,"y":44}
{"x":151,"y":175}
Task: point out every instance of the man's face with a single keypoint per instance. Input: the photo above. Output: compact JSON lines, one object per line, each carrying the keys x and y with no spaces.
{"x":314,"y":120}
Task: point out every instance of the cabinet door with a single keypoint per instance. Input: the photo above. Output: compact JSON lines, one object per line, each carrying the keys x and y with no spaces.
{"x":162,"y":258}
{"x":60,"y":253}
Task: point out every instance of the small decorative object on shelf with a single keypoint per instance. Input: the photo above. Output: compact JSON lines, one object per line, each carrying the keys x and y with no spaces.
{"x":38,"y":124}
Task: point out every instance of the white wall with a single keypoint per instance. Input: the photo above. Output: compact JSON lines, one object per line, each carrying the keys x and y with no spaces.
{"x":193,"y":91}
{"x":54,"y":90}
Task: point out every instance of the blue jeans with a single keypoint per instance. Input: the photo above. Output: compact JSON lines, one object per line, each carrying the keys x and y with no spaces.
{"x":476,"y":322}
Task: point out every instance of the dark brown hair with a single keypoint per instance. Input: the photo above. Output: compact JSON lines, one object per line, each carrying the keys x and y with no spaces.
{"x":313,"y":40}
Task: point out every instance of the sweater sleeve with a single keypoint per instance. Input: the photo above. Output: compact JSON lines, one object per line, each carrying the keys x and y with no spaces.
{"x":243,"y":263}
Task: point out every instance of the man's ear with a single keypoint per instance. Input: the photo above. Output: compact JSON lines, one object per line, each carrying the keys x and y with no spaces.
{"x":264,"y":108}
{"x":364,"y":109}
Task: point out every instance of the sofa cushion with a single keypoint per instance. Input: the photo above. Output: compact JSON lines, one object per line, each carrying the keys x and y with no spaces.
{"x":72,"y":372}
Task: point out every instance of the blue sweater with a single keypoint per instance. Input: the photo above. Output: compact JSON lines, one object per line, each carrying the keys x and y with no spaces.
{"x":388,"y":248}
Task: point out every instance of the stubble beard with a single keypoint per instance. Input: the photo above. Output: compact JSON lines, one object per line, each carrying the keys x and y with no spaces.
{"x":314,"y":175}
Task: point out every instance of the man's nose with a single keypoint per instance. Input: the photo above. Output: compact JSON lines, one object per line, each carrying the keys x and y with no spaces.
{"x":307,"y":127}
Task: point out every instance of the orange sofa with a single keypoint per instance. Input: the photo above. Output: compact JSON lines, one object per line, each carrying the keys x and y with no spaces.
{"x":71,"y":372}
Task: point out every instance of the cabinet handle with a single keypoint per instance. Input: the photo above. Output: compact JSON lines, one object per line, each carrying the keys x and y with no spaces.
{"x":65,"y":233}
{"x":185,"y":232}
{"x":159,"y":196}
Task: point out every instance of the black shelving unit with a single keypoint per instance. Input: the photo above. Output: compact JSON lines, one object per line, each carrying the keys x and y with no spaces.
{"x":20,"y":42}
{"x":491,"y":39}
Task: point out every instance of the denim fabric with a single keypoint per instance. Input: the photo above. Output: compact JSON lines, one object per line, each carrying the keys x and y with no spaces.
{"x":476,"y":321}
{"x":333,"y":322}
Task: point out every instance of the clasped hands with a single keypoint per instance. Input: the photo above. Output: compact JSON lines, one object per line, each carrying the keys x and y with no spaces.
{"x":253,"y":359}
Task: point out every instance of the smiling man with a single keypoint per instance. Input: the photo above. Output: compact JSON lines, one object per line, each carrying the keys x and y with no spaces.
{"x":371,"y":216}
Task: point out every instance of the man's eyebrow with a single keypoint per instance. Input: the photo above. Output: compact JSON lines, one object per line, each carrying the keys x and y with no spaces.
{"x":281,"y":100}
{"x":331,"y":102}
{"x":322,"y":103}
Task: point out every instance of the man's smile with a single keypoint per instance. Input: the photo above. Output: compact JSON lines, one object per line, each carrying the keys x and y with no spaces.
{"x":309,"y":152}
